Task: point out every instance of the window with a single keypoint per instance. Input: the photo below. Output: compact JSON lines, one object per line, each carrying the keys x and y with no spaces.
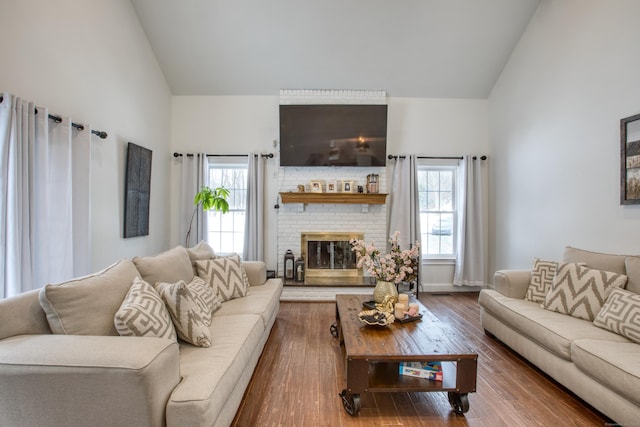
{"x":226,"y":231}
{"x":437,"y":194}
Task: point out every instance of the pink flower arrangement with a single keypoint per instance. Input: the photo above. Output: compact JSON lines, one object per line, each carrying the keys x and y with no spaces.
{"x":396,"y":266}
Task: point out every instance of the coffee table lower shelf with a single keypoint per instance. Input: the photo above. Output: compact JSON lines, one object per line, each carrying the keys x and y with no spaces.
{"x":364,"y":375}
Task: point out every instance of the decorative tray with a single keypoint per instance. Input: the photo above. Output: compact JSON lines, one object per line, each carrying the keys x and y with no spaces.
{"x":370,"y":305}
{"x":408,"y":318}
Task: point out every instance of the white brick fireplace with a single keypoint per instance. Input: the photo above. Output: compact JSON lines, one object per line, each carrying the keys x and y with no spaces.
{"x":295,"y":219}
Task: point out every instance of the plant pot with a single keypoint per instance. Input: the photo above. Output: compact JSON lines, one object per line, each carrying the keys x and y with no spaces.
{"x":383,"y":289}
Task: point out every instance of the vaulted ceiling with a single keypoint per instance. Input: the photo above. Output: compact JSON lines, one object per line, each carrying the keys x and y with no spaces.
{"x":410,"y":48}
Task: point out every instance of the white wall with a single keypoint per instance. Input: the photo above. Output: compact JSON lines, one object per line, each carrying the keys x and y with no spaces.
{"x":240,"y":124}
{"x":554,"y":127}
{"x":90,"y":60}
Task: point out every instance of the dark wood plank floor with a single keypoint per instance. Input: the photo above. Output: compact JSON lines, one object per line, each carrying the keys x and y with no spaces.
{"x":300,"y":373}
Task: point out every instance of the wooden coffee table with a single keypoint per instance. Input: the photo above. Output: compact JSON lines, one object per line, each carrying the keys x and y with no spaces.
{"x":372,"y":355}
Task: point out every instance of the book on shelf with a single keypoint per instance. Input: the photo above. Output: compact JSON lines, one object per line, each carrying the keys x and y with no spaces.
{"x":427,"y":370}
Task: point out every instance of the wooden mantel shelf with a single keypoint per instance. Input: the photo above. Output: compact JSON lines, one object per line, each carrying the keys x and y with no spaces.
{"x":352,"y":198}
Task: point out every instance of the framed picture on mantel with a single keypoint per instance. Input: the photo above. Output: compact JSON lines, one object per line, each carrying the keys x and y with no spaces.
{"x":630,"y":160}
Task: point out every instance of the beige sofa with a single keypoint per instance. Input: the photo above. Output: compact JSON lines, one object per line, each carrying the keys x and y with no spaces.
{"x":599,"y":366}
{"x":102,"y":379}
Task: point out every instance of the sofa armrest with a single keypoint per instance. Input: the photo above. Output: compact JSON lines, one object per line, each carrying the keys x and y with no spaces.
{"x":80,"y":380}
{"x":512,"y":283}
{"x":256,"y":272}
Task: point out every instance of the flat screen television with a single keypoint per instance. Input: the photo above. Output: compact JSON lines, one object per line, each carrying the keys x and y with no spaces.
{"x":333,"y":135}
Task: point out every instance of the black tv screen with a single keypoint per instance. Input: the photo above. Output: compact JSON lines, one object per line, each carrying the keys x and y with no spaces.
{"x":333,"y":135}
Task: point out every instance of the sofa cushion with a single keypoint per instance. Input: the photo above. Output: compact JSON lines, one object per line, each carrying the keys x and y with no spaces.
{"x":210,"y":375}
{"x":143,"y":314}
{"x":169,"y":267}
{"x":540,"y":280}
{"x":614,"y":364}
{"x":87,"y":305}
{"x":580,"y":291}
{"x":263,"y":300}
{"x":621,"y":314}
{"x":597,"y":260}
{"x":632,"y":266}
{"x":553,"y":331}
{"x":225,"y":276}
{"x":189,"y":305}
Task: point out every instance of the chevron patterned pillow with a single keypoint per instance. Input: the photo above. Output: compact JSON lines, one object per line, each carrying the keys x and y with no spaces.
{"x":225,"y":276}
{"x":143,"y":314}
{"x":190,"y":308}
{"x":621,"y":314}
{"x":581,"y":291}
{"x":541,"y":278}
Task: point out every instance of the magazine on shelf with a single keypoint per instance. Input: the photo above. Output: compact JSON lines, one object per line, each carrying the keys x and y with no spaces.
{"x":427,"y":370}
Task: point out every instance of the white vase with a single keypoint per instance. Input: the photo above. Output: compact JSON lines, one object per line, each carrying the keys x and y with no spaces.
{"x":383,"y":289}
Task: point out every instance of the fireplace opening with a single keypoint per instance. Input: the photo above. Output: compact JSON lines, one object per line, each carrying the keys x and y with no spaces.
{"x":329,"y":255}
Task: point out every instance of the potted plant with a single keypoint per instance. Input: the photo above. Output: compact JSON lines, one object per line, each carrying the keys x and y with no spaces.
{"x":209,"y":198}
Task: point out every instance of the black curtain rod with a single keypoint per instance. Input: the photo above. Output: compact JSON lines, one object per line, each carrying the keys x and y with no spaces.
{"x":78,"y":126}
{"x":268,"y":155}
{"x":392,"y":157}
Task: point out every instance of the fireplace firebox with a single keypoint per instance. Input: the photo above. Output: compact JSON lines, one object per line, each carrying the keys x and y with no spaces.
{"x":329,"y":255}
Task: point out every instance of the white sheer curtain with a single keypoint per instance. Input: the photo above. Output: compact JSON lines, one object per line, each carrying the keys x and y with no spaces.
{"x":254,"y":223}
{"x":404,"y":204}
{"x":193,"y":176}
{"x":471,"y":262}
{"x":44,"y":214}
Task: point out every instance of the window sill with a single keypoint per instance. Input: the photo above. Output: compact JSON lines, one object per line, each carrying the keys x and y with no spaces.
{"x":438,"y":261}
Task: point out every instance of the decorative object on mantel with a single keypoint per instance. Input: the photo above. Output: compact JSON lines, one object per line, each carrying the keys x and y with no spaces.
{"x":209,"y":198}
{"x":372,"y":183}
{"x":316,"y":186}
{"x":301,"y":188}
{"x":347,"y":186}
{"x":395,"y":267}
{"x":332,"y":186}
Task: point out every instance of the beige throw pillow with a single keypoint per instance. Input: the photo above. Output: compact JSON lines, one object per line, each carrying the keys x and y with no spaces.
{"x":143,"y":314}
{"x":190,"y":309}
{"x":201,"y":251}
{"x":540,"y":280}
{"x":225,"y":276}
{"x":581,"y":291}
{"x":621,"y":314}
{"x":170,"y":266}
{"x":87,"y":305}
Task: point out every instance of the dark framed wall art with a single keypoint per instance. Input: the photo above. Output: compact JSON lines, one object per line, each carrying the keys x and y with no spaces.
{"x":630,"y":160}
{"x":137,"y":191}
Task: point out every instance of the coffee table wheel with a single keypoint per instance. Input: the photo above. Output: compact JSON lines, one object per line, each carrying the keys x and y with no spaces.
{"x":459,"y":402}
{"x":351,"y":402}
{"x":334,"y":330}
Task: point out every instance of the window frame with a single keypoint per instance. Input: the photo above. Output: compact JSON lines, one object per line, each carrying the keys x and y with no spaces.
{"x":226,"y":162}
{"x":452,"y":165}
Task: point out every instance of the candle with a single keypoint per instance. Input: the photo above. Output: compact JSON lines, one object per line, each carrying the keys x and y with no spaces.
{"x":399,"y":310}
{"x":413,"y":309}
{"x":403,"y":299}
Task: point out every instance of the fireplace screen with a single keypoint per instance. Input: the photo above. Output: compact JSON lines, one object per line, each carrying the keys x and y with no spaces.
{"x":329,"y":254}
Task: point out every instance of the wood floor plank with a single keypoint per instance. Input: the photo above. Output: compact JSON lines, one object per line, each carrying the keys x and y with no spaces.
{"x":301,"y":372}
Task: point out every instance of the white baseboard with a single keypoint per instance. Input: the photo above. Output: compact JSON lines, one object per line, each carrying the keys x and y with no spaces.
{"x":328,"y":294}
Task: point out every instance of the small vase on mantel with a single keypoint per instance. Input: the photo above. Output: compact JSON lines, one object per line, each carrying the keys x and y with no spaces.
{"x":383,"y":289}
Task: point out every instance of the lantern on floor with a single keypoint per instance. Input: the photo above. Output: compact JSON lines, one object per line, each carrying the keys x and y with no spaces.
{"x":288,"y":264}
{"x":299,"y":268}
